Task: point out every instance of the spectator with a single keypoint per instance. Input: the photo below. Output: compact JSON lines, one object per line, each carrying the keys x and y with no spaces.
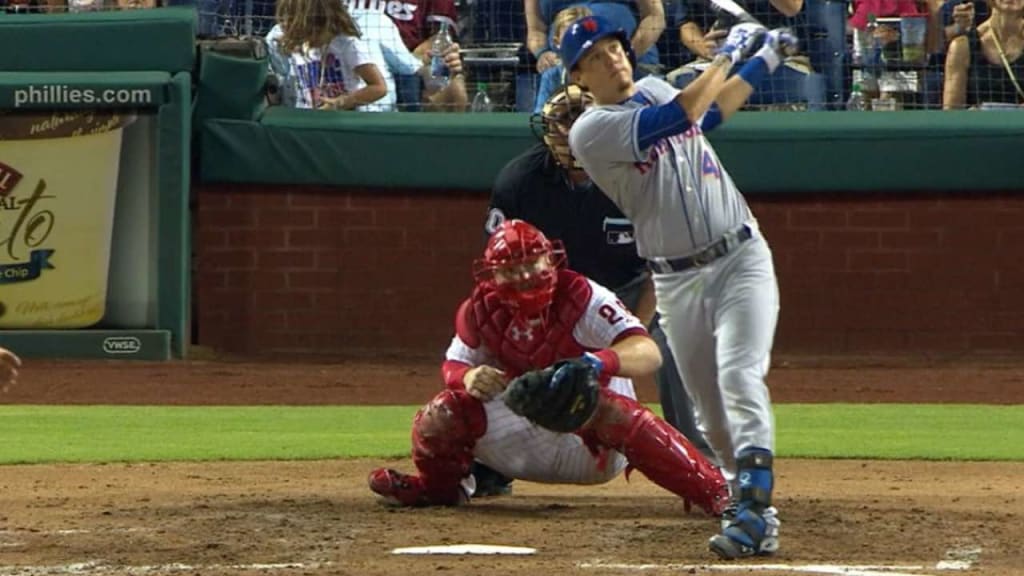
{"x":395,"y":60}
{"x":417,"y":20}
{"x":986,"y":65}
{"x":317,"y":50}
{"x":553,"y":77}
{"x":947,"y":20}
{"x":136,"y":4}
{"x":540,"y":17}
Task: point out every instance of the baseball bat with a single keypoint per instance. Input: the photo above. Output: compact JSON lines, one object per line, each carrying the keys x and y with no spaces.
{"x":731,"y":7}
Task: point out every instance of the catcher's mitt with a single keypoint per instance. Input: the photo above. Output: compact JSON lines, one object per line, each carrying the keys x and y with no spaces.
{"x":561,"y":397}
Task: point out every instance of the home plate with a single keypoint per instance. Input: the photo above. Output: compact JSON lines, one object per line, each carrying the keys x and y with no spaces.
{"x":466,"y":549}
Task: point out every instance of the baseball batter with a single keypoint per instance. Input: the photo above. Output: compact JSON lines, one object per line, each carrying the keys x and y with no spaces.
{"x":528,"y":312}
{"x":644,"y":145}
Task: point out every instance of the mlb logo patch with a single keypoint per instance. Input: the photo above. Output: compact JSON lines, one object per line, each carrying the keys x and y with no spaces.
{"x":618,"y":232}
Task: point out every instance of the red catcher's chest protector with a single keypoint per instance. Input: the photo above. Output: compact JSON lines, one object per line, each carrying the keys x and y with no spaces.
{"x":520,"y":348}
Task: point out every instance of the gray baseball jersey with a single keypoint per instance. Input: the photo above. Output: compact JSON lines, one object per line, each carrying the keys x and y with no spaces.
{"x":675,"y":191}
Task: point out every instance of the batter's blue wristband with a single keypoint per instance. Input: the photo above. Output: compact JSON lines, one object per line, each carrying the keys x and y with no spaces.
{"x":753,"y":71}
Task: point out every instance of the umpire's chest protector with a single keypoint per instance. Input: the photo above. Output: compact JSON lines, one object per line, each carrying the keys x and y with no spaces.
{"x":483,"y":319}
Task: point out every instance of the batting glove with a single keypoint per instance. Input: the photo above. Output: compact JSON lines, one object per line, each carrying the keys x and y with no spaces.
{"x":778,"y":44}
{"x":741,"y":41}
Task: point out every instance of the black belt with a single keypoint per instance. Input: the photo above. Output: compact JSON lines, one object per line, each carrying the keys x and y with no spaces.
{"x":705,"y":256}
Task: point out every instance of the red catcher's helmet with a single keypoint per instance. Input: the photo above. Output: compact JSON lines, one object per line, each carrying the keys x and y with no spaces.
{"x":521,"y":265}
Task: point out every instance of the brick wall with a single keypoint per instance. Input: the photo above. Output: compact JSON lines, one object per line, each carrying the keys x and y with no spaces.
{"x":318,"y":269}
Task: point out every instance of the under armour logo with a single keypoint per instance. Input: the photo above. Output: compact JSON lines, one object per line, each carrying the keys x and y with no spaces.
{"x":518,"y":334}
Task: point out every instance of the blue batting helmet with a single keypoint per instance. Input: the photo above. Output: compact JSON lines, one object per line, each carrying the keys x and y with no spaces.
{"x":584,"y":33}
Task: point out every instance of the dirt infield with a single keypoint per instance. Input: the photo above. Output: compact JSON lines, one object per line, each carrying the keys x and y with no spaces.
{"x":318,"y":517}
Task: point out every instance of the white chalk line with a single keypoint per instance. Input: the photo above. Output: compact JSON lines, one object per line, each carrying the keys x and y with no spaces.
{"x":96,"y":567}
{"x":70,"y":531}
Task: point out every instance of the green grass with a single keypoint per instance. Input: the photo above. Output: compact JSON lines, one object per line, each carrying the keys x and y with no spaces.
{"x":30,"y":434}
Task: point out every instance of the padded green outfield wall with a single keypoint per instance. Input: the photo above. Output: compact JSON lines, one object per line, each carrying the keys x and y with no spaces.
{"x":764,"y":152}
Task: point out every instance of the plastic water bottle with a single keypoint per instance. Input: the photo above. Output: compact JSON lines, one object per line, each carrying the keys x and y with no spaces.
{"x":857,"y":101}
{"x":439,"y":73}
{"x":481,"y":101}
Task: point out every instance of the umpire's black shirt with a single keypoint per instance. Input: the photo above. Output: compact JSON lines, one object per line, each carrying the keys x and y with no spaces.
{"x":598,"y":239}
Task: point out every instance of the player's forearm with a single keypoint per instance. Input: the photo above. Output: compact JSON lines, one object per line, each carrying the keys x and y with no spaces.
{"x":638,"y":355}
{"x":733,"y":96}
{"x":698,"y":96}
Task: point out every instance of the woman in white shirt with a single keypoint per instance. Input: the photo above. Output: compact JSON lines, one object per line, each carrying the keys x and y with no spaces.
{"x":317,"y":50}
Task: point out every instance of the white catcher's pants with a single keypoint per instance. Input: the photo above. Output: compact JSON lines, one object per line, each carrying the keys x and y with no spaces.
{"x":720,"y":323}
{"x":520,"y":449}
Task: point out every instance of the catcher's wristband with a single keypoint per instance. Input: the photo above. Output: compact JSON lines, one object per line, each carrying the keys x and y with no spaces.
{"x":606,"y":361}
{"x":454,"y":374}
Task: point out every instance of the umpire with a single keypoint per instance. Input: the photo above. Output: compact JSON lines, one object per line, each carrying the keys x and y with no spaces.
{"x":546,"y":187}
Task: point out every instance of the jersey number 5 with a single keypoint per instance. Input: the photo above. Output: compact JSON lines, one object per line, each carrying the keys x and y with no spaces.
{"x":709,"y":167}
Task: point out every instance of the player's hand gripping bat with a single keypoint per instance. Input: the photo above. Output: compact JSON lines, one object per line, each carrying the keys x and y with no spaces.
{"x":741,"y":14}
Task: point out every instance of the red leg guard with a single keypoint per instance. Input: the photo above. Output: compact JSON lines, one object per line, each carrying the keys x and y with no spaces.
{"x":444,"y":433}
{"x":659,"y":451}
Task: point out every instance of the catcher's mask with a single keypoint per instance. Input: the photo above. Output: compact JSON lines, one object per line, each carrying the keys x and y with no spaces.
{"x":521,"y":266}
{"x":553,"y":122}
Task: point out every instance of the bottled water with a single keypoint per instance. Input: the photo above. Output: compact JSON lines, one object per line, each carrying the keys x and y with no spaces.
{"x":439,"y":73}
{"x":856,"y":101}
{"x":482,"y":102}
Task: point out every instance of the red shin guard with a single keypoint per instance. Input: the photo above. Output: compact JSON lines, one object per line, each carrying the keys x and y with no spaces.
{"x":659,"y":451}
{"x":444,"y":433}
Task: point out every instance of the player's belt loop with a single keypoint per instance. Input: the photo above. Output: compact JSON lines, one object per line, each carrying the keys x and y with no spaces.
{"x":727,"y":243}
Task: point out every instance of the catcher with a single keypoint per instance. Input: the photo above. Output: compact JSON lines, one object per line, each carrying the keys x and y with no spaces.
{"x":538,"y":388}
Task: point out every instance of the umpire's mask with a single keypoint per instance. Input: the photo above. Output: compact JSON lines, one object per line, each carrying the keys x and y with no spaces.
{"x":552,"y":124}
